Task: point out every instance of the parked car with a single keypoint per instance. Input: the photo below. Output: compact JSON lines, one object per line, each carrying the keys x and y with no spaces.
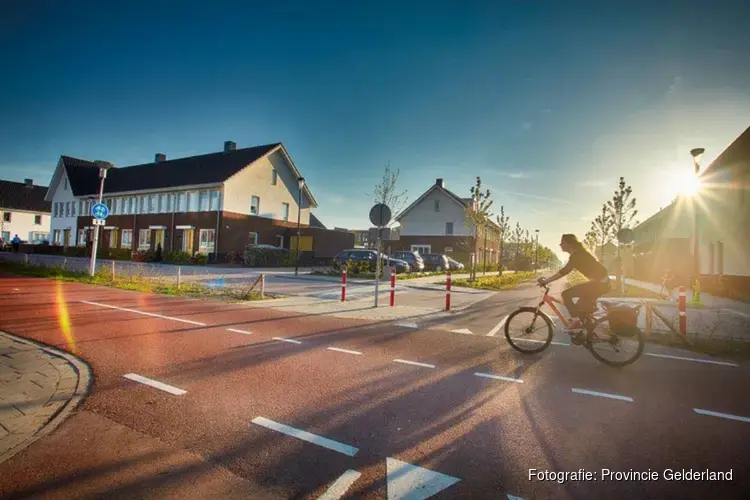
{"x":369,"y":256}
{"x":435,"y":262}
{"x":454,"y":264}
{"x":414,"y":260}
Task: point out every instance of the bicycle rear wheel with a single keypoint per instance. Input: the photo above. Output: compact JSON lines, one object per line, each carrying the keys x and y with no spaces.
{"x":614,"y":349}
{"x":521,"y":327}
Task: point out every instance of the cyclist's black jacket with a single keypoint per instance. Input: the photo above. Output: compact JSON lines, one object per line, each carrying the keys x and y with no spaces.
{"x":586,"y":264}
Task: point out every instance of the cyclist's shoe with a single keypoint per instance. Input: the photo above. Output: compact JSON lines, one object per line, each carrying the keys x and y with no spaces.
{"x":574,"y":325}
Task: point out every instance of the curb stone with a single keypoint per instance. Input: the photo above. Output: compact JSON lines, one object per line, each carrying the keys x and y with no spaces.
{"x":83,"y":388}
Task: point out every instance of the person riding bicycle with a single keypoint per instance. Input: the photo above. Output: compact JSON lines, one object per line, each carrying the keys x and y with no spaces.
{"x":587,"y":293}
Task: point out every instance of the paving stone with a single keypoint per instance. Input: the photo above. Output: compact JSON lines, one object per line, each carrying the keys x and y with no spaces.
{"x":9,"y":413}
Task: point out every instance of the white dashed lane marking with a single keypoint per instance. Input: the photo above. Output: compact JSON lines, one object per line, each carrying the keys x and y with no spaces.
{"x":155,"y":384}
{"x":347,"y":351}
{"x":498,"y":377}
{"x":306,"y":436}
{"x":135,"y":311}
{"x":415,"y":363}
{"x":239,"y":331}
{"x":721,"y":415}
{"x":291,"y":341}
{"x":602,"y":394}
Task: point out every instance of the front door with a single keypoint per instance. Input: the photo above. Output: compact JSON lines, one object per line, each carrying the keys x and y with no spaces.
{"x":159,"y":238}
{"x":66,"y":238}
{"x":188,"y":237}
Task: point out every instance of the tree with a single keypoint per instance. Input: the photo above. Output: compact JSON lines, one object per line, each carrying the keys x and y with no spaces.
{"x":478,"y":214}
{"x":602,"y":229}
{"x":502,"y":223}
{"x":385,"y":191}
{"x":518,"y":240}
{"x":621,"y":209}
{"x":590,"y":240}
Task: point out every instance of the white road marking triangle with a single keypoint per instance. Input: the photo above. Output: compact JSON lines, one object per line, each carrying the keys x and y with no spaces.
{"x":463,"y":330}
{"x":407,"y":325}
{"x":512,"y":497}
{"x":409,"y":482}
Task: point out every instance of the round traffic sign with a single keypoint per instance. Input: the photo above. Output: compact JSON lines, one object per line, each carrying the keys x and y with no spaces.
{"x":380,"y":215}
{"x":625,"y":236}
{"x":100,"y":211}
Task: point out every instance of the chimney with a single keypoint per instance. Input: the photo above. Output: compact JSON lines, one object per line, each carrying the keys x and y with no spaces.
{"x":29,"y":182}
{"x":440,"y":183}
{"x":229,"y":146}
{"x":160,"y":157}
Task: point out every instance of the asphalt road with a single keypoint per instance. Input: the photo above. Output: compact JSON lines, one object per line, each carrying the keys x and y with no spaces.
{"x":245,"y":386}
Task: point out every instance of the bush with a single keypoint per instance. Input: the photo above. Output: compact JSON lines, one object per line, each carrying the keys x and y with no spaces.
{"x":264,"y":257}
{"x":200,"y":259}
{"x":495,"y":282}
{"x":231,"y":257}
{"x":178,"y":257}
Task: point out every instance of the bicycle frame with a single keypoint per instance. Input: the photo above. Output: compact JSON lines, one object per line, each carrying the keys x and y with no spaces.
{"x":551,"y":301}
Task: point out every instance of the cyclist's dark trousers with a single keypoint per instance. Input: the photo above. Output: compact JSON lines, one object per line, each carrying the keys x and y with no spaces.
{"x":587,"y":293}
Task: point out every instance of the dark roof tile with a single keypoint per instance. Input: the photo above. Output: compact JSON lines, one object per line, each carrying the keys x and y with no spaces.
{"x":212,"y":168}
{"x":19,"y":196}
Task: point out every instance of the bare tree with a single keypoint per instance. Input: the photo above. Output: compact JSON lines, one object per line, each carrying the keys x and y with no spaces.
{"x":386,"y":192}
{"x":502,"y":222}
{"x":518,"y":240}
{"x":601,"y":228}
{"x":621,"y":209}
{"x":590,"y":240}
{"x":478,"y":214}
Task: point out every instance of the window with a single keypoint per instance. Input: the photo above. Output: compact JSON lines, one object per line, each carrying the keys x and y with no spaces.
{"x":448,"y":249}
{"x":169,"y":203}
{"x":141,"y":204}
{"x":207,"y":240}
{"x":214,"y":200}
{"x":6,"y":216}
{"x":254,"y":205}
{"x":144,"y":239}
{"x":285,"y":211}
{"x":5,"y":236}
{"x":203,"y":201}
{"x":274,"y":177}
{"x":151,"y":204}
{"x":160,"y":204}
{"x":181,"y":202}
{"x":108,"y":202}
{"x":193,"y":201}
{"x":437,"y":205}
{"x":81,"y":237}
{"x":448,"y":228}
{"x":253,"y":237}
{"x":67,"y":209}
{"x":54,"y":210}
{"x":73,"y":208}
{"x":280,"y":240}
{"x":421,"y":249}
{"x":127,"y":238}
{"x":38,"y":220}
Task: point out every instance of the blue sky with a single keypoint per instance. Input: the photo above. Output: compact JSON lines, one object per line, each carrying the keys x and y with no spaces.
{"x":547,"y":101}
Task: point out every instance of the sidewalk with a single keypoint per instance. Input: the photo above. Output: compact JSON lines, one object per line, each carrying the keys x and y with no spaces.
{"x":734,"y":306}
{"x":39,"y":387}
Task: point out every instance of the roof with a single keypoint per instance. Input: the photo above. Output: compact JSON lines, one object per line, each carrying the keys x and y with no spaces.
{"x":738,"y":152}
{"x":315,"y":222}
{"x":20,"y":196}
{"x":464,"y":202}
{"x":207,"y":169}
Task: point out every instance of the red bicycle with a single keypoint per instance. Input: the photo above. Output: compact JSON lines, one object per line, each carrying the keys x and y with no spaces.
{"x":614,"y":331}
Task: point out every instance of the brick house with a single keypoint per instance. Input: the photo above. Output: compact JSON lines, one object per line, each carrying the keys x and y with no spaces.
{"x":213,"y":204}
{"x":665,"y":240}
{"x":435,"y":223}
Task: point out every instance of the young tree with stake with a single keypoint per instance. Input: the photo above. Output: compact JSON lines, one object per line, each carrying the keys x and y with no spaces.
{"x":477,"y":215}
{"x":504,"y":225}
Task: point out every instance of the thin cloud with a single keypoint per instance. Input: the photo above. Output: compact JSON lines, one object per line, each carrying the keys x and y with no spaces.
{"x":526,"y":126}
{"x":546,"y":111}
{"x":539,"y":197}
{"x":515,"y":175}
{"x":592,"y":183}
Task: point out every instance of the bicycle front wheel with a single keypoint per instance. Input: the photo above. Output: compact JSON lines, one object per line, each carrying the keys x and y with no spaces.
{"x":528,"y":331}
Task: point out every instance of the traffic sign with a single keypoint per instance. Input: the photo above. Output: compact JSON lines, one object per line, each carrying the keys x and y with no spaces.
{"x":100,"y":211}
{"x":380,"y":215}
{"x":98,"y":222}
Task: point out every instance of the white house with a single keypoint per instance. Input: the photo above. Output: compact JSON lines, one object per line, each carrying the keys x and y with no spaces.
{"x":435,"y":223}
{"x":24,"y":211}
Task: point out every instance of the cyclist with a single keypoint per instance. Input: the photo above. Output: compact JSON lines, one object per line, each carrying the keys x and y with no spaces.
{"x":588,"y":292}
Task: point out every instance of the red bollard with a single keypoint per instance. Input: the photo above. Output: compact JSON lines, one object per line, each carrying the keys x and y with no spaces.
{"x":343,"y":286}
{"x":448,"y":292}
{"x":393,"y":287}
{"x":682,"y":307}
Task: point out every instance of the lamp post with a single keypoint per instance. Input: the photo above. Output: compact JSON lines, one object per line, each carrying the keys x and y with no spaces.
{"x":103,"y":167}
{"x":301,"y":183}
{"x":696,"y":153}
{"x":536,"y":253}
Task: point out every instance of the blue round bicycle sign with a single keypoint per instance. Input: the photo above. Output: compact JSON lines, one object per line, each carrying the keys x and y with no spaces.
{"x":100,"y":211}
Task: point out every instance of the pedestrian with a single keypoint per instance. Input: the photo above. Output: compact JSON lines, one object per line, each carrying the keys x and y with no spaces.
{"x":667,"y":283}
{"x":16,"y":241}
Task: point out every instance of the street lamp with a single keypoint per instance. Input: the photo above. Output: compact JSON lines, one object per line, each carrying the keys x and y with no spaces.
{"x":697,"y":154}
{"x":301,"y":183}
{"x":536,"y":255}
{"x":103,"y":167}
